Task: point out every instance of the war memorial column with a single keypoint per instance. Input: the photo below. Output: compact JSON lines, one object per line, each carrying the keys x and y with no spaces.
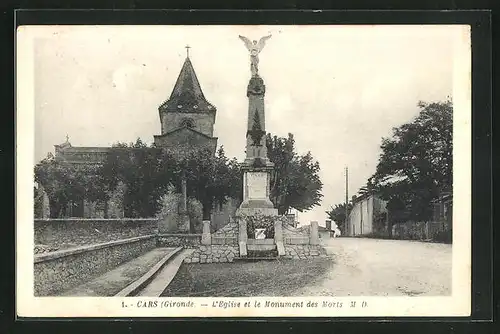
{"x":256,"y":168}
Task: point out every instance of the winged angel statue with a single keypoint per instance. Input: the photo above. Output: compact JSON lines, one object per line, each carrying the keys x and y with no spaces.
{"x":255,"y":48}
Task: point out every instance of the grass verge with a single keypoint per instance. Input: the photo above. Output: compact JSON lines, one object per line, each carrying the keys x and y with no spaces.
{"x":245,"y":279}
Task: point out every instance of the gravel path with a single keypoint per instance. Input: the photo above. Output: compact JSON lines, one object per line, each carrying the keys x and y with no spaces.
{"x":371,"y":267}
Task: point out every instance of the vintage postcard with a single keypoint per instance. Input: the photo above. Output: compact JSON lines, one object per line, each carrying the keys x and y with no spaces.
{"x":243,"y":171}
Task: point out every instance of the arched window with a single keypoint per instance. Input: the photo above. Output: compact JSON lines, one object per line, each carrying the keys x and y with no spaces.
{"x":187,"y":122}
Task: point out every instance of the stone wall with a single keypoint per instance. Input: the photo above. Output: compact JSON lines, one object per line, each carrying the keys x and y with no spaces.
{"x":179,"y":240}
{"x":67,"y":233}
{"x":62,"y":270}
{"x":304,"y":251}
{"x":296,"y":236}
{"x":213,"y":254}
{"x":228,"y":235}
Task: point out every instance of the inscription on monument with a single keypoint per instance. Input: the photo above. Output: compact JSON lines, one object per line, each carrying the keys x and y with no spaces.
{"x":257,"y":185}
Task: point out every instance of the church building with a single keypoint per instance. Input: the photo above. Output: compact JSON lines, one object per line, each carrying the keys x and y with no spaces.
{"x":187,"y":123}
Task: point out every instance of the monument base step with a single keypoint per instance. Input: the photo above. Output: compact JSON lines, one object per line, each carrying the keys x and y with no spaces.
{"x":262,"y":253}
{"x":260,"y":248}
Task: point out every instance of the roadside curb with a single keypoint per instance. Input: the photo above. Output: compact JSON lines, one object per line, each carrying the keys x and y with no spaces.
{"x":145,"y":279}
{"x":161,"y":281}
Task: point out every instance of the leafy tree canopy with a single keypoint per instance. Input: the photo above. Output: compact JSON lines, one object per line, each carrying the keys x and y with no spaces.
{"x":416,"y":163}
{"x":147,"y":172}
{"x":337,"y":213}
{"x":295,"y":182}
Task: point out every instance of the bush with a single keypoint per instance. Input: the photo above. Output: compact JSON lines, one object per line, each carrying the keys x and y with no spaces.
{"x":195,"y":213}
{"x":168,"y":211}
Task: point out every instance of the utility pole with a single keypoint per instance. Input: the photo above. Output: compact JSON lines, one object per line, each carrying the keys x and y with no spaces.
{"x":346,"y":199}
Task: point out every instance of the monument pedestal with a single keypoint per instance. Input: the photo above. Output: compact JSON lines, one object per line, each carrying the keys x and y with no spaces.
{"x":256,"y":187}
{"x":256,"y":192}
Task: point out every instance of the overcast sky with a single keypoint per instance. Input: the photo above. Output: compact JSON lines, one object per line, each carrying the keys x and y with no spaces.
{"x":338,"y":89}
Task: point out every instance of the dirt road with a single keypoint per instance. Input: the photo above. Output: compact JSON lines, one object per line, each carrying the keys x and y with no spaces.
{"x":371,"y":267}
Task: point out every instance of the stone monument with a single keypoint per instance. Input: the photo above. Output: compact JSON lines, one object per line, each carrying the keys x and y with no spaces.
{"x":256,"y":168}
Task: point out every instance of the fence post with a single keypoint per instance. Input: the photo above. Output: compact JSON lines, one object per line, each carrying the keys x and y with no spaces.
{"x":313,"y":233}
{"x":206,"y":238}
{"x":278,"y":237}
{"x":242,"y":236}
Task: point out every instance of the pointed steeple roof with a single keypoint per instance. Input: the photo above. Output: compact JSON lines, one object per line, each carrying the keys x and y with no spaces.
{"x":187,"y":95}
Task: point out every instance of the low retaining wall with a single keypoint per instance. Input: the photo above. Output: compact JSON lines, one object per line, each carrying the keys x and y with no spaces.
{"x":296,"y":236}
{"x":66,"y":233}
{"x":179,"y":240}
{"x":304,"y":251}
{"x":213,"y":254}
{"x":228,"y":235}
{"x":62,"y":270}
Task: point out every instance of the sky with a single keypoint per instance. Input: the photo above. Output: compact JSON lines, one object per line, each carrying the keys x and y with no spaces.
{"x":338,"y":89}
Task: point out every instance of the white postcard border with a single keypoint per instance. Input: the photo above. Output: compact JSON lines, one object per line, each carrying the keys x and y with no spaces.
{"x":458,"y":304}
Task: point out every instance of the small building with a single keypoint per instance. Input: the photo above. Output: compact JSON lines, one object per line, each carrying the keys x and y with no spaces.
{"x":365,"y":215}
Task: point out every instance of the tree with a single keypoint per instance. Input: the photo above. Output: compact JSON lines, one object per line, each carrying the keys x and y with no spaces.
{"x":67,"y":183}
{"x":211,"y":179}
{"x":295,"y":181}
{"x":416,"y":163}
{"x":146,"y":173}
{"x":337,"y":214}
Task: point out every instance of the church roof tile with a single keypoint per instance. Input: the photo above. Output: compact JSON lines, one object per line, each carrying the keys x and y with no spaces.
{"x":187,"y":95}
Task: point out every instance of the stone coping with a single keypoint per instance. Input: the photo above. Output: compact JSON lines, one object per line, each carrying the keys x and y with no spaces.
{"x":45,"y":220}
{"x":267,"y":241}
{"x":82,"y":249}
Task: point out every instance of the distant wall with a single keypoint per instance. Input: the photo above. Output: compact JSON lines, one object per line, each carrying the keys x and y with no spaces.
{"x":67,"y":233}
{"x":418,"y":230}
{"x":62,"y":270}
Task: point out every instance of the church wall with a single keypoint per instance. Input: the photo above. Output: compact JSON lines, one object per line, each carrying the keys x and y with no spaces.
{"x":204,"y":122}
{"x":185,"y":141}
